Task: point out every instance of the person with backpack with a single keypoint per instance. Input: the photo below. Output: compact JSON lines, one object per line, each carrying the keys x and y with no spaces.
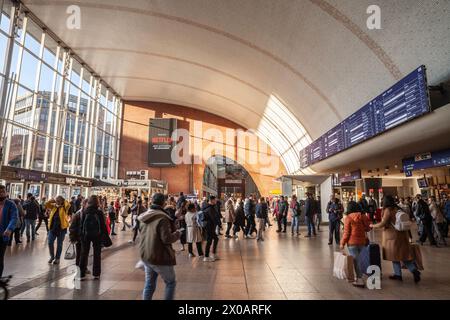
{"x":112,"y":218}
{"x":355,"y":227}
{"x":229,"y":216}
{"x":210,"y":217}
{"x":32,"y":210}
{"x":426,"y":219}
{"x":58,"y":223}
{"x":93,"y":229}
{"x":335,"y":212}
{"x":395,"y":242}
{"x":158,"y":232}
{"x":75,"y":232}
{"x":262,"y":212}
{"x":125,"y":210}
{"x":193,"y":231}
{"x":296,"y":214}
{"x":239,"y":218}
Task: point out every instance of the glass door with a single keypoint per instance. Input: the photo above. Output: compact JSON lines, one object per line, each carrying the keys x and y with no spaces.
{"x":16,"y":190}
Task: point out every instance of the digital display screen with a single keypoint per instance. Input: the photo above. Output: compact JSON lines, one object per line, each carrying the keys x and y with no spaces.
{"x":404,"y":101}
{"x":161,"y":142}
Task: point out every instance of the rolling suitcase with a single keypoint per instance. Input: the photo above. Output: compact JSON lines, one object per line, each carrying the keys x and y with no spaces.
{"x":370,"y":255}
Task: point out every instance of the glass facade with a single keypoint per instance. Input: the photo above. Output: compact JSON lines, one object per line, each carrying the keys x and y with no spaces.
{"x":284,"y":134}
{"x":58,"y":116}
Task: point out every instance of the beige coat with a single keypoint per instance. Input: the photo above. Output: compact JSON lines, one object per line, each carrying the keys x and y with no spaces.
{"x":194,"y":231}
{"x":229,"y":211}
{"x":436,"y":213}
{"x":395,"y":244}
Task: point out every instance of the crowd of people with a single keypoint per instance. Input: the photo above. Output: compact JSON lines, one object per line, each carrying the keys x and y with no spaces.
{"x":164,"y":220}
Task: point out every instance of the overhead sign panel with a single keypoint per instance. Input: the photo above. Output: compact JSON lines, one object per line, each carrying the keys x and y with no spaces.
{"x":404,"y":101}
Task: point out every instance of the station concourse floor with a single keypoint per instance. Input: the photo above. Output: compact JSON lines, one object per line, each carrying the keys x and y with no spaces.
{"x":281,"y":267}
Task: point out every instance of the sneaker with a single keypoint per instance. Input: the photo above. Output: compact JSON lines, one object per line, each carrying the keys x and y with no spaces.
{"x":97,"y":278}
{"x":191,"y":255}
{"x":56,"y":261}
{"x":51,"y":260}
{"x":140,"y":265}
{"x":130,"y":241}
{"x":208,"y":259}
{"x":215,"y":257}
{"x":330,"y":243}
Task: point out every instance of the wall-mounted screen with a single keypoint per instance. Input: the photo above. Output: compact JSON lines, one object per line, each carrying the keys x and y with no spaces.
{"x":404,"y":101}
{"x":161,"y":142}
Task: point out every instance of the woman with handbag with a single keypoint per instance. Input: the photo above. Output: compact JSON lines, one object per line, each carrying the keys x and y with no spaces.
{"x":355,"y":228}
{"x":395,"y":244}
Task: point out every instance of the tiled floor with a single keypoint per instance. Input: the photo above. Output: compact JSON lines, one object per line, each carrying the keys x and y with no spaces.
{"x":282,"y":267}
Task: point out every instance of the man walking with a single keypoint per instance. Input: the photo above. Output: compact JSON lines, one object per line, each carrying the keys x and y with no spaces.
{"x":335,"y":211}
{"x":158,"y":232}
{"x":32,"y":209}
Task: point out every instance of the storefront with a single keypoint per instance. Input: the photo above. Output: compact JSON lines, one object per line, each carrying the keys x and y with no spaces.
{"x":43,"y":184}
{"x":158,"y":186}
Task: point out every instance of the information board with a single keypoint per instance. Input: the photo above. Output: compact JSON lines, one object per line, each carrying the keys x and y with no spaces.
{"x":404,"y":101}
{"x":437,"y":159}
{"x":161,"y":142}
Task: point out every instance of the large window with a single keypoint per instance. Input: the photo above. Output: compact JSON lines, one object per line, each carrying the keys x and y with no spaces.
{"x":54,"y":105}
{"x":284,"y":134}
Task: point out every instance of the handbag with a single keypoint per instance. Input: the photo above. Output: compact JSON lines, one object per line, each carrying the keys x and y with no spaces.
{"x":106,"y":241}
{"x":343,"y":267}
{"x":70,"y":252}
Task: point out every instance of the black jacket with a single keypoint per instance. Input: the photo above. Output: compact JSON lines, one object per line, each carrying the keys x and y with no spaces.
{"x":239,"y":220}
{"x":262,"y":210}
{"x":309,"y":207}
{"x":101,"y":219}
{"x":32,"y":209}
{"x":211,"y":217}
{"x":423,"y":211}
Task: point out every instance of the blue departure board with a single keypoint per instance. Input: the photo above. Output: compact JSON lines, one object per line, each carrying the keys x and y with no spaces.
{"x":359,"y":126}
{"x":404,"y":101}
{"x":334,"y":141}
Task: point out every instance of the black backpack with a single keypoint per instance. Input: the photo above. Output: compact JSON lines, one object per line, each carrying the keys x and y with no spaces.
{"x":91,"y":226}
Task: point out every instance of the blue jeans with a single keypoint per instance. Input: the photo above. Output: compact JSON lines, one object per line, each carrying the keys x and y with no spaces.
{"x":310,"y":223}
{"x":354,"y":252}
{"x":295,"y":224}
{"x":30,"y":224}
{"x":151,"y":275}
{"x":411,"y":265}
{"x":59,"y":244}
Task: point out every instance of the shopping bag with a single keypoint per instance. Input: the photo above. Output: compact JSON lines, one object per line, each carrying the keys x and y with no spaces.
{"x":417,"y":255}
{"x":343,"y":267}
{"x":70,"y":252}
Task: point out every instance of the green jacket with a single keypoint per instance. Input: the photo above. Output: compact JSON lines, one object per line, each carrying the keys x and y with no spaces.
{"x":158,"y":232}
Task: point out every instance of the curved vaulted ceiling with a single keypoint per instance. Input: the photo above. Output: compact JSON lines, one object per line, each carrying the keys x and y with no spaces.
{"x":230,"y":57}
